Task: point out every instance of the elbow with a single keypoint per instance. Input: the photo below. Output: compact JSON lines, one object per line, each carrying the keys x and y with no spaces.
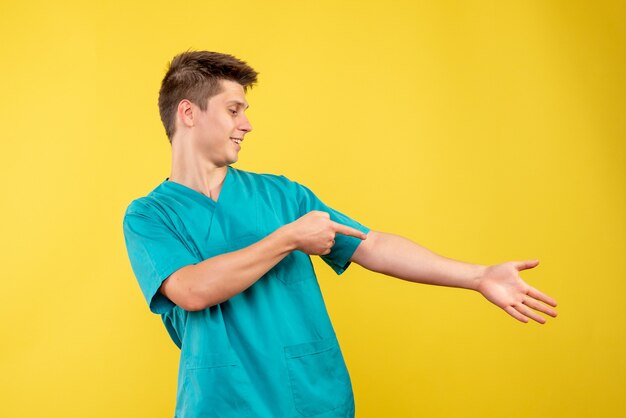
{"x":191,"y":301}
{"x":198,"y":302}
{"x":181,"y":288}
{"x":192,"y":304}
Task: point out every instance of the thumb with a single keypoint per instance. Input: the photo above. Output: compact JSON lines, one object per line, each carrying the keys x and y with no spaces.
{"x":524,"y":265}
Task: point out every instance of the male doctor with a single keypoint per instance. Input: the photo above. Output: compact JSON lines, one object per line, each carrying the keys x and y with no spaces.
{"x":222,"y":255}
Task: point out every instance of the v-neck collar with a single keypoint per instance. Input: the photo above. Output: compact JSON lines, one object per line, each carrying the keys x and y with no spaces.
{"x":196,"y":195}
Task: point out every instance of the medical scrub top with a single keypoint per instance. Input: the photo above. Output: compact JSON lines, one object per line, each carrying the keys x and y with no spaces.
{"x":269,"y":351}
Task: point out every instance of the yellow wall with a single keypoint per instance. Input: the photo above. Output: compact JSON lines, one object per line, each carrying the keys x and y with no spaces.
{"x":486,"y":131}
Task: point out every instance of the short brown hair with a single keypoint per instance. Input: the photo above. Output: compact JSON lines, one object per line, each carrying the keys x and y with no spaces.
{"x":196,"y":75}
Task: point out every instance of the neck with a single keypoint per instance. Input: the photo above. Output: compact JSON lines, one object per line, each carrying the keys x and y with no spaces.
{"x":191,"y":169}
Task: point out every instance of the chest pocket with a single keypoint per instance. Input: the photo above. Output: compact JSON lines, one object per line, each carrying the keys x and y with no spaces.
{"x":250,"y":222}
{"x":294,"y":268}
{"x":235,"y":244}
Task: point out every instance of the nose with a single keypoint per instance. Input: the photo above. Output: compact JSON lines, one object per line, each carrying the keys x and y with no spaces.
{"x":245,"y":125}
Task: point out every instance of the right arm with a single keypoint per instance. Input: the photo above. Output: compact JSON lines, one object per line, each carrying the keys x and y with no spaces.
{"x":217,"y":279}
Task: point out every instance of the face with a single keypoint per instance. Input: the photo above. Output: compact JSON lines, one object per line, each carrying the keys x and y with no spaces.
{"x":219,"y":131}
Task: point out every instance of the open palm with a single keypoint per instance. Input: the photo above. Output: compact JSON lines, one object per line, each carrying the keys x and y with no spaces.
{"x":502,"y":285}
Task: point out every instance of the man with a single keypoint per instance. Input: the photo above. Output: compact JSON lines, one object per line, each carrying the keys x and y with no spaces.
{"x":223,"y":255}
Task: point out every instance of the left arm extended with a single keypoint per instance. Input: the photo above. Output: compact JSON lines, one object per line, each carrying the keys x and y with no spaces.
{"x":501,"y":284}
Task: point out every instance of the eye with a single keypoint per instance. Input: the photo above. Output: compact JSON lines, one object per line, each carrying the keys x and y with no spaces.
{"x":233,"y":112}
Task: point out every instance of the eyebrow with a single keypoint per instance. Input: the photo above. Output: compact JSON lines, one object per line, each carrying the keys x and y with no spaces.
{"x":239,"y":103}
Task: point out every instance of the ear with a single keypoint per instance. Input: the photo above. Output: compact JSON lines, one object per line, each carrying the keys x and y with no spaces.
{"x":185,"y":113}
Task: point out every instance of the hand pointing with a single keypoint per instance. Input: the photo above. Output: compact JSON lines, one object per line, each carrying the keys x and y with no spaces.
{"x":314,"y":233}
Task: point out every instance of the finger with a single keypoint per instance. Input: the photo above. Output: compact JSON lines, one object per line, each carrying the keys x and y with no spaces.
{"x":532,"y":292}
{"x":525,"y":265}
{"x":536,"y":305}
{"x":326,"y":252}
{"x":319,"y":213}
{"x":515,"y":314}
{"x":526,"y":311}
{"x":346,"y":230}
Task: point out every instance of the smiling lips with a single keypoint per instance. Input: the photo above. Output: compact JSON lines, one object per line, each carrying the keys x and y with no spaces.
{"x":236,"y":140}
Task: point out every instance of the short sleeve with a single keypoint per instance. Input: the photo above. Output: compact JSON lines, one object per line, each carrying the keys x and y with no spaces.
{"x":339,"y":257}
{"x":155,"y":252}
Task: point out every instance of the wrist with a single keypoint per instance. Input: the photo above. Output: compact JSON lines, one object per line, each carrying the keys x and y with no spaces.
{"x":287,"y":238}
{"x":477,"y":276}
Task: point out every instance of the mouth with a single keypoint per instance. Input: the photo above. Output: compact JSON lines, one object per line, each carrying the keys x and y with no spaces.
{"x":236,"y":140}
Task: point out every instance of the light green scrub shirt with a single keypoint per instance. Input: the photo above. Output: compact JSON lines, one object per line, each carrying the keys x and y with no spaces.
{"x":269,"y":351}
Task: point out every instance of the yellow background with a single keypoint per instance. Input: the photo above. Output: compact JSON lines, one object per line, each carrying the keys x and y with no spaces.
{"x":486,"y":131}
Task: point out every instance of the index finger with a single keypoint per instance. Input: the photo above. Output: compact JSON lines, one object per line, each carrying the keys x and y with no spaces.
{"x":346,"y":230}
